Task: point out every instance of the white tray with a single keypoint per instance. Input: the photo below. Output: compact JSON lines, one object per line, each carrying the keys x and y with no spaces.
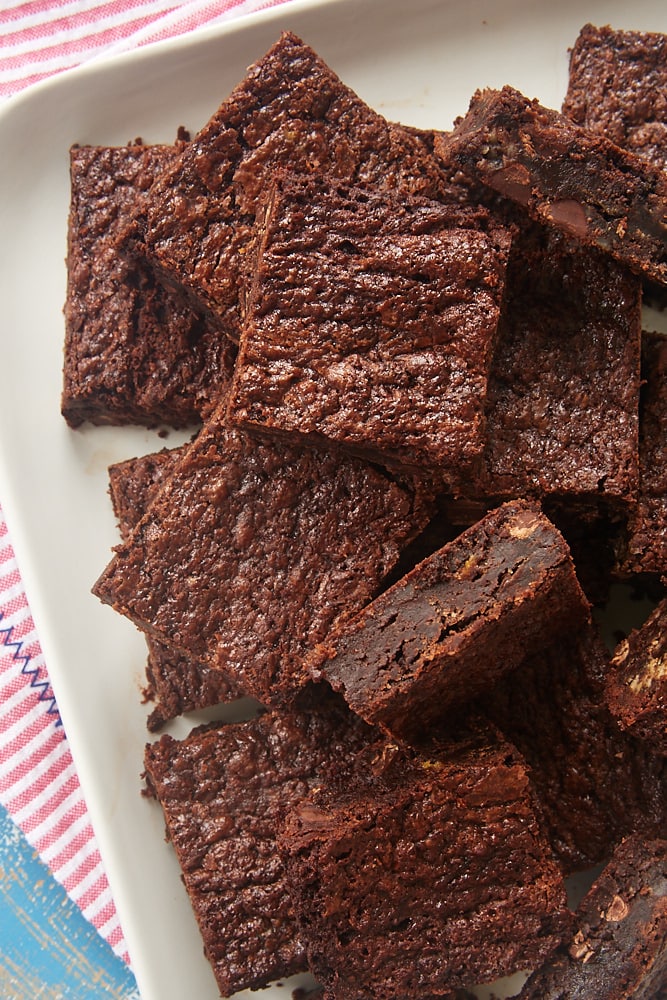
{"x":418,"y":63}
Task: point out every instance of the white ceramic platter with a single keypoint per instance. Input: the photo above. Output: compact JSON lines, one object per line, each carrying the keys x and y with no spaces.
{"x":418,"y":63}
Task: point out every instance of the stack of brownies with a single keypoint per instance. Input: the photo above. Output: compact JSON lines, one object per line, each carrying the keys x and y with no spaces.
{"x":428,"y":437}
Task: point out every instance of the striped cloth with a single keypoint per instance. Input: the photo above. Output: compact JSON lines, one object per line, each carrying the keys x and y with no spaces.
{"x":39,"y":786}
{"x":41,"y":38}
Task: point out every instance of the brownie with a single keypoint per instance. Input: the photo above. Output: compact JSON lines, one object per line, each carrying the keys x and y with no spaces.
{"x":423,"y":873}
{"x":175,"y":682}
{"x":578,"y":182}
{"x":616,"y":87}
{"x":225,"y":791}
{"x":290,"y":110}
{"x":456,"y":623}
{"x":644,"y":547}
{"x":596,"y":784}
{"x":370,"y":323}
{"x":637,"y":681}
{"x":253,"y":550}
{"x":619,"y":947}
{"x":134,"y":352}
{"x":562,"y":412}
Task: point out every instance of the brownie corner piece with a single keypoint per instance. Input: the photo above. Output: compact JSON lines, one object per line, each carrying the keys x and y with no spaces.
{"x":573,"y":180}
{"x":389,"y":355}
{"x":134,"y":352}
{"x":619,"y":946}
{"x":397,"y":886}
{"x":455,"y":624}
{"x":224,"y":791}
{"x":303,"y":539}
{"x":636,"y":688}
{"x":290,"y":111}
{"x":616,"y":84}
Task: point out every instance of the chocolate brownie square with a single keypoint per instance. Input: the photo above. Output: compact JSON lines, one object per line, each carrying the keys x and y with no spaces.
{"x":456,"y":623}
{"x":176,"y":682}
{"x":134,"y":352}
{"x":225,"y":792}
{"x":617,"y":86}
{"x":564,"y":385}
{"x":637,"y":681}
{"x":423,"y":873}
{"x":595,"y":783}
{"x":290,"y":111}
{"x":574,"y":180}
{"x":619,"y":947}
{"x":253,"y":550}
{"x":644,"y":547}
{"x":370,"y":323}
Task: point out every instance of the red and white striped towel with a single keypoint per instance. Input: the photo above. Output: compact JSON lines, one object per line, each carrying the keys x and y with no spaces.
{"x":39,"y":786}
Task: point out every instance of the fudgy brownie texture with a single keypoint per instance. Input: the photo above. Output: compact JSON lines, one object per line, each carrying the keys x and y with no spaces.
{"x":175,"y":682}
{"x":637,"y":681}
{"x":290,"y":110}
{"x":567,"y":177}
{"x":562,"y":412}
{"x":644,"y":548}
{"x":253,"y":550}
{"x":617,"y":87}
{"x":456,"y":623}
{"x":619,"y":948}
{"x":595,"y":783}
{"x":370,"y":323}
{"x":134,"y":352}
{"x":428,"y":872}
{"x":225,"y":792}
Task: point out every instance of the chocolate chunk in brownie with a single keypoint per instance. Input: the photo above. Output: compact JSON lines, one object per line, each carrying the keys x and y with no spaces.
{"x":225,"y":792}
{"x":175,"y":682}
{"x":595,"y":783}
{"x":427,"y":873}
{"x":637,"y":681}
{"x":619,"y":947}
{"x":578,"y":182}
{"x":456,"y":623}
{"x":134,"y":352}
{"x":253,"y":550}
{"x":616,"y":87}
{"x":644,"y":548}
{"x":562,"y":414}
{"x":290,"y":111}
{"x":370,"y":323}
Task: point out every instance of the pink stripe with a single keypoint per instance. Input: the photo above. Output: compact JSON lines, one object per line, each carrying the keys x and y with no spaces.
{"x":95,"y":40}
{"x":10,"y":580}
{"x":104,"y":915}
{"x":84,"y":838}
{"x":30,"y":675}
{"x":115,"y":937}
{"x":42,"y":781}
{"x":81,"y":19}
{"x":59,"y":829}
{"x":21,"y":82}
{"x":15,"y":747}
{"x":27,"y":763}
{"x":92,"y":893}
{"x":51,"y":805}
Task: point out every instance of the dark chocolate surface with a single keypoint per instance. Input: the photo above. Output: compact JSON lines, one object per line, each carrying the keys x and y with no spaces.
{"x":619,"y":947}
{"x":370,"y":323}
{"x":430,"y":875}
{"x":134,"y":352}
{"x":580,"y":183}
{"x":254,"y":549}
{"x":617,"y":85}
{"x":457,"y":623}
